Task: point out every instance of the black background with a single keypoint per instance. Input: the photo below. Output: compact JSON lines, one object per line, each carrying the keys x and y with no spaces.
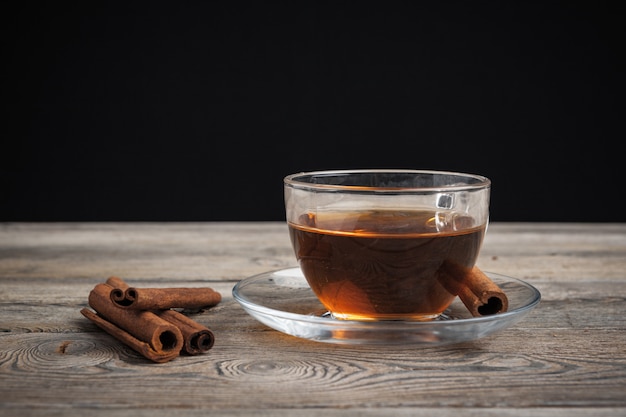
{"x":182,"y":111}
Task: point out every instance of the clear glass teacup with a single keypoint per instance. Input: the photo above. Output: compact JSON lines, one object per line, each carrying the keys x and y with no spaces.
{"x":376,"y":244}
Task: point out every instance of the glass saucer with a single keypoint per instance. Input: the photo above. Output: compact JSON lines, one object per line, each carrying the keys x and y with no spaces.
{"x":283,"y":300}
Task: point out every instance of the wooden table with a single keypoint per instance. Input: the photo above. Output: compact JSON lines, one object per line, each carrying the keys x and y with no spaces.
{"x":566,"y":358}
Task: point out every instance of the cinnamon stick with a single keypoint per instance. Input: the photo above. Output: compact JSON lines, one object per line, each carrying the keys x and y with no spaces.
{"x":153,"y":337}
{"x":161,"y":298}
{"x":197,"y":338}
{"x":165,"y":298}
{"x":477,"y":291}
{"x":137,"y":345}
{"x":119,"y":287}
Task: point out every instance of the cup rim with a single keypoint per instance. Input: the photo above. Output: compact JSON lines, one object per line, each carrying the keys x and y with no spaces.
{"x":293,"y":181}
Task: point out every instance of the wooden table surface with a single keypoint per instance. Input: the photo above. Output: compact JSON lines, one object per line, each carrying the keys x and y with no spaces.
{"x":566,"y":358}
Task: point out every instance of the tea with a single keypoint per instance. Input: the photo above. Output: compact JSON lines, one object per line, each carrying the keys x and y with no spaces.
{"x":384,"y":264}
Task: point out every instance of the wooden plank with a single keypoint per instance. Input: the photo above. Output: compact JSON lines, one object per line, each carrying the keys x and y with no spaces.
{"x":233,"y":250}
{"x":327,"y":412}
{"x":134,"y":251}
{"x":524,"y":369}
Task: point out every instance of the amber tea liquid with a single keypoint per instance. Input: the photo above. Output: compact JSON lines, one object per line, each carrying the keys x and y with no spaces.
{"x":382,"y":265}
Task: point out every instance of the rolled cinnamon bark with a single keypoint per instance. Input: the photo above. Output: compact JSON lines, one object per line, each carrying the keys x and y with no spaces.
{"x":150,"y":335}
{"x":165,"y":298}
{"x":197,"y":338}
{"x":477,"y":291}
{"x":117,"y":293}
{"x":137,"y":345}
{"x":161,"y":298}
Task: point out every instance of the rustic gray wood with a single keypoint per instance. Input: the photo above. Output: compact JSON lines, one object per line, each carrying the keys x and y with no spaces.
{"x":567,"y":358}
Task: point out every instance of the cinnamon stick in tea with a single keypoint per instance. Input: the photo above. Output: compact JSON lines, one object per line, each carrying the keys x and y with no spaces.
{"x":150,"y":335}
{"x":477,"y":291}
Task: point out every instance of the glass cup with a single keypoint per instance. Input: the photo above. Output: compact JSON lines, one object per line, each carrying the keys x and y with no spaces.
{"x":376,"y":244}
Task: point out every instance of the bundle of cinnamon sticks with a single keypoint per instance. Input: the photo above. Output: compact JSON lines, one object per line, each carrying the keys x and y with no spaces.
{"x":146,"y":319}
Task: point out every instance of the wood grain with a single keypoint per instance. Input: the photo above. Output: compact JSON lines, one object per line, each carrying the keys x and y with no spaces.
{"x":568,"y":357}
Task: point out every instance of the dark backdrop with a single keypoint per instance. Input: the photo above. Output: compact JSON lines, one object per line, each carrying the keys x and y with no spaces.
{"x":196,"y":110}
